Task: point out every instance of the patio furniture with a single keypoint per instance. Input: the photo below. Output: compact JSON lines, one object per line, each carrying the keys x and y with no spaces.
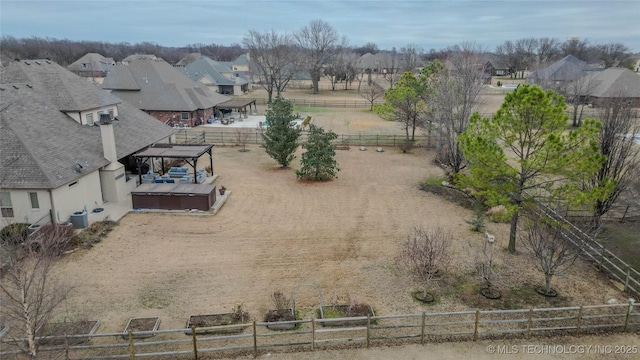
{"x":158,"y":181}
{"x":178,"y":172}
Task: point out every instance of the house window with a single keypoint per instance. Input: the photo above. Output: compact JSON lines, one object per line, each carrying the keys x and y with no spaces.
{"x":185,"y":116}
{"x":35,"y":204}
{"x":90,"y":119}
{"x":5,"y":204}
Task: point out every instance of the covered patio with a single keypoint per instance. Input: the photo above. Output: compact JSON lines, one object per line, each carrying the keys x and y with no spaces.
{"x":240,"y":105}
{"x":189,"y":153}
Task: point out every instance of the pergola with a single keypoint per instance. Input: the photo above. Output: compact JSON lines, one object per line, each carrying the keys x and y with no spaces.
{"x":237,"y":104}
{"x":188,"y":153}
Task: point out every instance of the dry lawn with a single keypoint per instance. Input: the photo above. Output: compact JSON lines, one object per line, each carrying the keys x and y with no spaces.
{"x":317,"y":242}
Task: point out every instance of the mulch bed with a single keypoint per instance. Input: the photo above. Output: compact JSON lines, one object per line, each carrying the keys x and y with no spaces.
{"x":141,"y":324}
{"x":59,"y":330}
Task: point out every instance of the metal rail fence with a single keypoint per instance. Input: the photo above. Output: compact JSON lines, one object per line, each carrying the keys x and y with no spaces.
{"x":319,"y":334}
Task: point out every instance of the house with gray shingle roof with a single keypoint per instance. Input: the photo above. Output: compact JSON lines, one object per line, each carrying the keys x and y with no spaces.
{"x":217,"y":76}
{"x":163,"y":91}
{"x":55,"y":158}
{"x":563,"y":71}
{"x":612,"y":83}
{"x":92,"y":66}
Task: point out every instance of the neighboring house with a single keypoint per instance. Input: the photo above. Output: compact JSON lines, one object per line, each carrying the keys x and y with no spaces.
{"x":134,"y":57}
{"x":561,"y":72}
{"x":217,"y":76}
{"x":92,"y":66}
{"x":163,"y":92}
{"x":55,"y":159}
{"x":188,"y":59}
{"x":612,"y":83}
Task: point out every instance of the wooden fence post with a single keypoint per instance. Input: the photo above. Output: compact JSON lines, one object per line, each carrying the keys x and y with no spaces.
{"x":195,"y":344}
{"x":475,"y":327}
{"x":529,"y":323}
{"x":626,"y":280}
{"x":255,"y":340}
{"x":368,"y":329}
{"x":629,"y":310}
{"x":600,"y":266}
{"x":313,"y":334}
{"x":424,"y":317}
{"x":579,"y":321}
{"x":132,"y":351}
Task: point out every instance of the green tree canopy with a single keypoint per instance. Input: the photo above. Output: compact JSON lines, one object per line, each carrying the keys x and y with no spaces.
{"x":404,"y":104}
{"x":525,"y":153}
{"x":281,"y":137}
{"x":318,"y":162}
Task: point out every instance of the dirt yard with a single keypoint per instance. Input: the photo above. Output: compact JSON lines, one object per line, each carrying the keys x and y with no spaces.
{"x":318,"y":242}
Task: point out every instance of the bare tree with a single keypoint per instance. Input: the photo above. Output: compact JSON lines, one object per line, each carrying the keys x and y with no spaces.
{"x":619,"y":124}
{"x":371,"y":93}
{"x":576,"y":93}
{"x":318,"y":41}
{"x":526,"y":53}
{"x":390,"y":64}
{"x":410,"y":58}
{"x":554,"y":253}
{"x":453,"y":97}
{"x":612,"y":54}
{"x":548,"y":51}
{"x":489,"y":266}
{"x":424,"y":254}
{"x":30,"y":297}
{"x":507,"y":51}
{"x":338,"y":68}
{"x":274,"y":57}
{"x":576,"y":47}
{"x":242,"y":137}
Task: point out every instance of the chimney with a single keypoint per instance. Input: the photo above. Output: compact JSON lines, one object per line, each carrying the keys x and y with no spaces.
{"x":237,"y":78}
{"x":108,"y":138}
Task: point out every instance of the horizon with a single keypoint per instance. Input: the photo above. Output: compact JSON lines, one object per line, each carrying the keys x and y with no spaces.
{"x":487,"y":23}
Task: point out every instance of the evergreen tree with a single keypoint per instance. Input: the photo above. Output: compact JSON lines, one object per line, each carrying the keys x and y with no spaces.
{"x":281,"y":137}
{"x":318,"y":161}
{"x":525,"y":153}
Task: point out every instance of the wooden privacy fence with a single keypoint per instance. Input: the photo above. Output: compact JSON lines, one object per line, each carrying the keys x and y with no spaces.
{"x":229,"y":138}
{"x":596,"y":253}
{"x":315,"y":334}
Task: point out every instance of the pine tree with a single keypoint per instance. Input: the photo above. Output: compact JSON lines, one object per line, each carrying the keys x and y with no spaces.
{"x":318,"y":162}
{"x":281,"y":137}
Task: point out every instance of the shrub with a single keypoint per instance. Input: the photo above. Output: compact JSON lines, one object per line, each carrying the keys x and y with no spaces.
{"x":14,"y":234}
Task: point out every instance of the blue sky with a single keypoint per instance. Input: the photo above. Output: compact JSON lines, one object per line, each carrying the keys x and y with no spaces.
{"x":427,"y":23}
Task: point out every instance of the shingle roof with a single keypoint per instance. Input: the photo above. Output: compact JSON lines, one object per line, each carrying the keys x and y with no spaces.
{"x":568,"y":68}
{"x":188,"y":59}
{"x":40,"y":145}
{"x":613,"y":82}
{"x":92,"y":62}
{"x":156,"y":85}
{"x":61,"y":86}
{"x":206,"y":66}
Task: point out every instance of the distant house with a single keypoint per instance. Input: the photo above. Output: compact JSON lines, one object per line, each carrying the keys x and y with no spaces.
{"x":163,"y":92}
{"x":188,"y":59}
{"x":130,"y":58}
{"x":217,"y":76}
{"x":92,"y":66}
{"x":55,"y":158}
{"x":612,"y":83}
{"x":561,"y":72}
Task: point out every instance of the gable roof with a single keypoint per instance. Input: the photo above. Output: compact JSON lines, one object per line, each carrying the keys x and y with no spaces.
{"x":613,"y":82}
{"x":40,"y":144}
{"x":568,"y":68}
{"x":242,"y":60}
{"x":215,"y":70}
{"x":133,"y":57}
{"x":92,"y":62}
{"x":156,"y":85}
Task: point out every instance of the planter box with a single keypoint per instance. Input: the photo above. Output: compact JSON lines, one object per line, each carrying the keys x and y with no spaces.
{"x":59,"y":330}
{"x":343,"y":311}
{"x":141,"y":324}
{"x":212,"y":320}
{"x":276,"y":325}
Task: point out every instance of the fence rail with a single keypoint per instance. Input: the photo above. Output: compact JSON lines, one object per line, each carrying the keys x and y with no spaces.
{"x":195,"y":136}
{"x":595,"y":253}
{"x":323,"y":103}
{"x":311,"y":335}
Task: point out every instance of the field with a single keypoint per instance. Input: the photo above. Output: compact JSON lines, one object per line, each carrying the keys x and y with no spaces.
{"x":323,"y":243}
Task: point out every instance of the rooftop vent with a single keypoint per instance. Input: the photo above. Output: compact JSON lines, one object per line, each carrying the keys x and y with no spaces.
{"x":38,"y":62}
{"x":26,"y":62}
{"x":30,"y":86}
{"x":105,"y":119}
{"x":48,"y":62}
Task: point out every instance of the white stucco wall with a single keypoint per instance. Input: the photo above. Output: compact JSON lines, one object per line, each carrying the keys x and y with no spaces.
{"x":22,"y":210}
{"x":82,"y":194}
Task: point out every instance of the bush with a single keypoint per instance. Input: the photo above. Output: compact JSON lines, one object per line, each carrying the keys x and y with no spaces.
{"x":14,"y":234}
